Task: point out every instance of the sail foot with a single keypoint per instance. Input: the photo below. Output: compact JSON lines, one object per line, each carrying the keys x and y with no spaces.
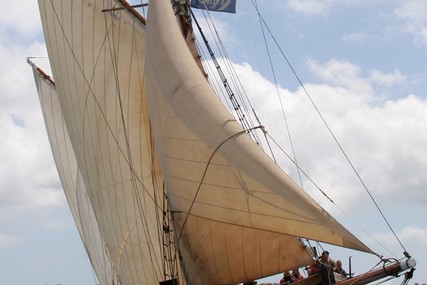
{"x":219,"y":253}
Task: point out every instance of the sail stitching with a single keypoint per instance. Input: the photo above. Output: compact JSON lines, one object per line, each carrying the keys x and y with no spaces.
{"x":136,"y":180}
{"x":90,"y":91}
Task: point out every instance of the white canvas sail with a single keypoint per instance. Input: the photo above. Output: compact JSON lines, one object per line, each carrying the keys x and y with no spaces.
{"x":97,"y":60}
{"x":71,"y":179}
{"x":224,"y":191}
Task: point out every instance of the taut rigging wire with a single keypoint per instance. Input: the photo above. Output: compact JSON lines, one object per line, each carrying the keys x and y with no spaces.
{"x":239,"y":92}
{"x":327,"y":197}
{"x":278,"y":95}
{"x":328,"y":128}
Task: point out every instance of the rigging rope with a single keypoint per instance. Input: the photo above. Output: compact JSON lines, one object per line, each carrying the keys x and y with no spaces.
{"x":329,"y":129}
{"x":328,"y":198}
{"x":204,"y":174}
{"x":278,"y":95}
{"x":236,"y":80}
{"x":236,"y":106}
{"x":247,"y":122}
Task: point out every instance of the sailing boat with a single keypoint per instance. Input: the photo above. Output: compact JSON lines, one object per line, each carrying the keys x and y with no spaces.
{"x":164,"y":184}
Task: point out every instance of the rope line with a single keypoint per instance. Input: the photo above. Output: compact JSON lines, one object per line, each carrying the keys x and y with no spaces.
{"x":204,"y":174}
{"x":278,"y":93}
{"x":330,"y":200}
{"x":329,"y":129}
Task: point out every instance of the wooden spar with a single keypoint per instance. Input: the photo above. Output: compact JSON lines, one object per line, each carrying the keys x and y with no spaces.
{"x":124,"y":8}
{"x":365,"y":278}
{"x":45,"y":76}
{"x":127,"y":6}
{"x":389,"y":270}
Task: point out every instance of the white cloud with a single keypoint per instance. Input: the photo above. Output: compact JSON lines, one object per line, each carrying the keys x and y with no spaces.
{"x":340,"y":73}
{"x":411,"y":234}
{"x":408,"y":235}
{"x":6,"y":240}
{"x":414,"y":15}
{"x":412,"y":9}
{"x":20,"y":18}
{"x":419,"y":31}
{"x":29,"y":180}
{"x":387,"y":79}
{"x":310,"y":7}
{"x":317,"y":7}
{"x":384,"y":139}
{"x":358,"y":37}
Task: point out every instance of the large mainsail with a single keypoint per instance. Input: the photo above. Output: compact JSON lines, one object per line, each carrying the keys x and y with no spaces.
{"x":232,"y":205}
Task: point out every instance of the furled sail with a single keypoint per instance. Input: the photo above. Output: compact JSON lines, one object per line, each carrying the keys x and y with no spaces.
{"x":98,"y":64}
{"x":233,"y":207}
{"x":71,"y":179}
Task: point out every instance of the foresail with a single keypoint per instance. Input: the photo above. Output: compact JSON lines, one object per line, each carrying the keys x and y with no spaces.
{"x":216,"y":177}
{"x":97,"y":59}
{"x":69,"y":173}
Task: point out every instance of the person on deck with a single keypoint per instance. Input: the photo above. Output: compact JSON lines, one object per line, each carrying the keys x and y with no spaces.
{"x":338,"y":269}
{"x":326,"y":260}
{"x":327,"y":266}
{"x":287,"y":278}
{"x":296,"y":275}
{"x":313,"y":269}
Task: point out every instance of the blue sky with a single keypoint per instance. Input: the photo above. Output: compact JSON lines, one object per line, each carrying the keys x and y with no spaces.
{"x":364,"y":64}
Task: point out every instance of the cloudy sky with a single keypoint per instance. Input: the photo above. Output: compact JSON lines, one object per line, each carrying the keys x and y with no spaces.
{"x":362,"y":62}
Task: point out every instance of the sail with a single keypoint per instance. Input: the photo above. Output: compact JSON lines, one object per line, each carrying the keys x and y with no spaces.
{"x":225,"y":192}
{"x":97,"y":59}
{"x":69,"y":173}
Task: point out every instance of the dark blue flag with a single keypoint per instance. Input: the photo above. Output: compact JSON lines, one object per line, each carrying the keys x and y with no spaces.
{"x":228,"y":6}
